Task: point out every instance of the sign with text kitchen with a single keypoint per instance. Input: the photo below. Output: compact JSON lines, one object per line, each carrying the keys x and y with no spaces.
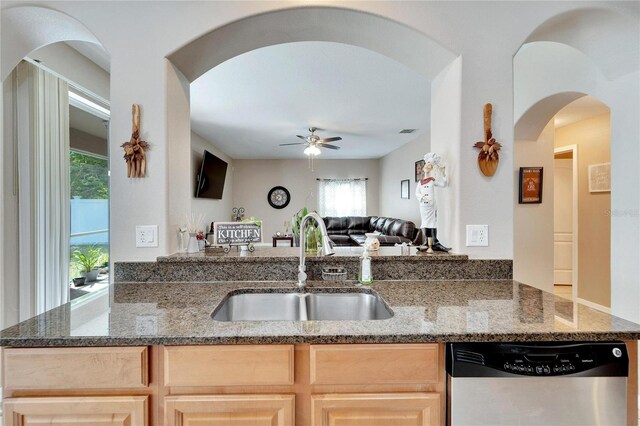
{"x":237,"y":233}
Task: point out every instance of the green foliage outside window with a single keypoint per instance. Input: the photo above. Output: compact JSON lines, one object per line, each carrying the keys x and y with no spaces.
{"x":89,"y":176}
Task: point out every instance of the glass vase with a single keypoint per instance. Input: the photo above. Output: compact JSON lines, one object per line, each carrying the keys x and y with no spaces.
{"x":192,"y":246}
{"x":311,"y":241}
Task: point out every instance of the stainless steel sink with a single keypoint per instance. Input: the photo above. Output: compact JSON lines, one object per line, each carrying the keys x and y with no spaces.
{"x":317,"y":306}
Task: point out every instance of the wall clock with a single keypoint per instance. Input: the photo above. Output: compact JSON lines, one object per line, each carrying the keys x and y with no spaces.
{"x":278,"y":197}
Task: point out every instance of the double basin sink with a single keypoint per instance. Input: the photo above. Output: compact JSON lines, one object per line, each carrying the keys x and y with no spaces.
{"x":321,"y":305}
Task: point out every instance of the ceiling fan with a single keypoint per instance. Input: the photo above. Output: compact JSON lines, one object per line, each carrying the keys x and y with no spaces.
{"x":314,"y":142}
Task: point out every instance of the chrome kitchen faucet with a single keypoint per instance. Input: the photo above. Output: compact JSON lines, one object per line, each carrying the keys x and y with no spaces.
{"x":327,"y":245}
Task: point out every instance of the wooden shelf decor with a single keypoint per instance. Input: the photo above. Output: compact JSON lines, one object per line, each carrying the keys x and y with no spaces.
{"x":488,"y":157}
{"x":134,"y":149}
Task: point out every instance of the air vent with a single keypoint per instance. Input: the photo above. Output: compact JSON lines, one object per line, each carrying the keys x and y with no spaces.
{"x":472,"y":357}
{"x":408,"y":130}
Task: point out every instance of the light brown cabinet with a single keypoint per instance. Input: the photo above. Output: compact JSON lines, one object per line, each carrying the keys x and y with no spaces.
{"x":230,"y":410}
{"x":281,"y":385}
{"x":77,"y":386}
{"x":76,"y":411}
{"x":377,"y":409}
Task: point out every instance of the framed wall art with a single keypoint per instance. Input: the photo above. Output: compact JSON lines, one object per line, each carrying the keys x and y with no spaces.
{"x":530,"y":191}
{"x":404,"y":189}
{"x":600,"y":177}
{"x":419,"y":165}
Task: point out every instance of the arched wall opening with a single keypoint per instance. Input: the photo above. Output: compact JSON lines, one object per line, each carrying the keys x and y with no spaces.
{"x":25,"y":30}
{"x":570,"y":229}
{"x":396,"y":41}
{"x":554,"y":67}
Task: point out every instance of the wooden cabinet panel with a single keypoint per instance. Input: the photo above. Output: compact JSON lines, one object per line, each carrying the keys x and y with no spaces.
{"x":228,"y":365}
{"x":374,"y":364}
{"x":408,"y":409}
{"x":77,"y":411}
{"x":230,"y":410}
{"x":76,"y":368}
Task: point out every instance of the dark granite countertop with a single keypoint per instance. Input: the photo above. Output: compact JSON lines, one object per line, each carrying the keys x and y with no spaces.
{"x":424,"y":311}
{"x":384,"y":254}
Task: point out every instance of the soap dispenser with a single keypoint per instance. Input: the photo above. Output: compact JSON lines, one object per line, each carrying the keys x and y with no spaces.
{"x":365,"y":276}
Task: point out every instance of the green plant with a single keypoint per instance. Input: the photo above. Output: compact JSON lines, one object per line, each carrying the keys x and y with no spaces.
{"x":88,"y":259}
{"x":296,"y":219}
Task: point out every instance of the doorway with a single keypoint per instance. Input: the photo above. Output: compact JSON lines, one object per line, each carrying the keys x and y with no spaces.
{"x":565,"y":222}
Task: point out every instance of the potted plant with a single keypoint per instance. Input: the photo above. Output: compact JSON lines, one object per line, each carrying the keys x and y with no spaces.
{"x":88,"y":261}
{"x":295,"y":224}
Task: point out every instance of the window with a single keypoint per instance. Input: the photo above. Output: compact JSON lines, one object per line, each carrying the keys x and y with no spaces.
{"x":342,"y":197}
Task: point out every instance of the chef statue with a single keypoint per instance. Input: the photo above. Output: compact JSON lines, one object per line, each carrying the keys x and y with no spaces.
{"x":433,"y":175}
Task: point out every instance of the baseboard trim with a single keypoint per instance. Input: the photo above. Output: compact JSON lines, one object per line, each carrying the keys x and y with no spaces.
{"x":594,"y":306}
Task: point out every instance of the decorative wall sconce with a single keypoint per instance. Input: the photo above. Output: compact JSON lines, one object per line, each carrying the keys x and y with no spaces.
{"x":134,"y":149}
{"x":488,"y":157}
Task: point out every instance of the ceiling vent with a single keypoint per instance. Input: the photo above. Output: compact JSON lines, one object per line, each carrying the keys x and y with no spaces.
{"x":408,"y":130}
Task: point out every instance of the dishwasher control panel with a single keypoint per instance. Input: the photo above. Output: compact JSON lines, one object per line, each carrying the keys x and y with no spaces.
{"x":537,"y":359}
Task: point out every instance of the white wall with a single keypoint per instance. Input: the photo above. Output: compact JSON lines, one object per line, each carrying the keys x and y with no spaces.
{"x":9,"y":214}
{"x":533,"y":223}
{"x":394,"y":167}
{"x":545,"y":69}
{"x":88,"y":143}
{"x":252,"y":180}
{"x":446,"y":124}
{"x":139,"y":75}
{"x":212,"y":210}
{"x":69,"y":64}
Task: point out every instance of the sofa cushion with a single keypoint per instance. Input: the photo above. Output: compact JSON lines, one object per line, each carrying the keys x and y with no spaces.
{"x":389,"y":240}
{"x":401,"y":228}
{"x":358,"y":224}
{"x":342,"y":240}
{"x":358,"y":239}
{"x":379,"y":224}
{"x":336,"y":225}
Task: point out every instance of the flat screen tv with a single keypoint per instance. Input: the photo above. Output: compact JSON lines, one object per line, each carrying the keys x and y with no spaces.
{"x":210,"y":180}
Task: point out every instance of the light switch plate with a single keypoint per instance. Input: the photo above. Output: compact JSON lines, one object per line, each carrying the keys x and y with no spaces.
{"x":147,"y":236}
{"x":477,"y":235}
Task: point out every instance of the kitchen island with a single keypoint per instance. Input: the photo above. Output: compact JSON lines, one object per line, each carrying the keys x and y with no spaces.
{"x":163,"y":351}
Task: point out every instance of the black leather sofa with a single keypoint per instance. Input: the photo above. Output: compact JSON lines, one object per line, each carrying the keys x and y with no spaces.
{"x":350,"y":230}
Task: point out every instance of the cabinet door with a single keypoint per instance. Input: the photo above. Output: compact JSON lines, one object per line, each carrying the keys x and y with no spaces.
{"x":76,"y":411}
{"x":401,"y":409}
{"x":230,"y":410}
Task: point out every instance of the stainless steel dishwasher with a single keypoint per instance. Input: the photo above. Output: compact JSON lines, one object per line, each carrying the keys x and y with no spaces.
{"x":544,"y":383}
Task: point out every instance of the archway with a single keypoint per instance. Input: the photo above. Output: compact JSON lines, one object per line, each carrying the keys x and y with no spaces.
{"x":31,"y":28}
{"x":397,"y":41}
{"x":556,"y":66}
{"x":34,"y":27}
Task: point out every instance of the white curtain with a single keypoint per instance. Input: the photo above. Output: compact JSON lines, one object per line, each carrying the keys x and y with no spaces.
{"x":43,"y":194}
{"x":342,"y":197}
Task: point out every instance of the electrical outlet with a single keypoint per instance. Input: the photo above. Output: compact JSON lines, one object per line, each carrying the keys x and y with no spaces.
{"x":477,"y":235}
{"x":147,"y":236}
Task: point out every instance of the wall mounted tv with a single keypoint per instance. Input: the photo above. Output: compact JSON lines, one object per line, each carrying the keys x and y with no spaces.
{"x":210,"y":180}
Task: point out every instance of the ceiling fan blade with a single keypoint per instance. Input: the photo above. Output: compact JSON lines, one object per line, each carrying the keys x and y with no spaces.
{"x":302,"y":137}
{"x":295,"y":143}
{"x":333,"y":139}
{"x":324,"y":145}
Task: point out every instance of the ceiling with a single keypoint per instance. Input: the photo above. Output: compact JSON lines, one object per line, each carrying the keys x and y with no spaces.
{"x":253,"y":102}
{"x":580,"y":109}
{"x":86,"y":122}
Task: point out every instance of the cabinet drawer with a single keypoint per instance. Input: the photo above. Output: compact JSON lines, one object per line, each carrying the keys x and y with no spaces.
{"x":403,"y":409}
{"x":225,"y":410}
{"x":228,"y":365}
{"x":373,"y":364}
{"x":77,"y":410}
{"x":76,"y":368}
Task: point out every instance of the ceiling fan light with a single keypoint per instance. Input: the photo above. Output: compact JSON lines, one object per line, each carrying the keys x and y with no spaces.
{"x":312,"y":150}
